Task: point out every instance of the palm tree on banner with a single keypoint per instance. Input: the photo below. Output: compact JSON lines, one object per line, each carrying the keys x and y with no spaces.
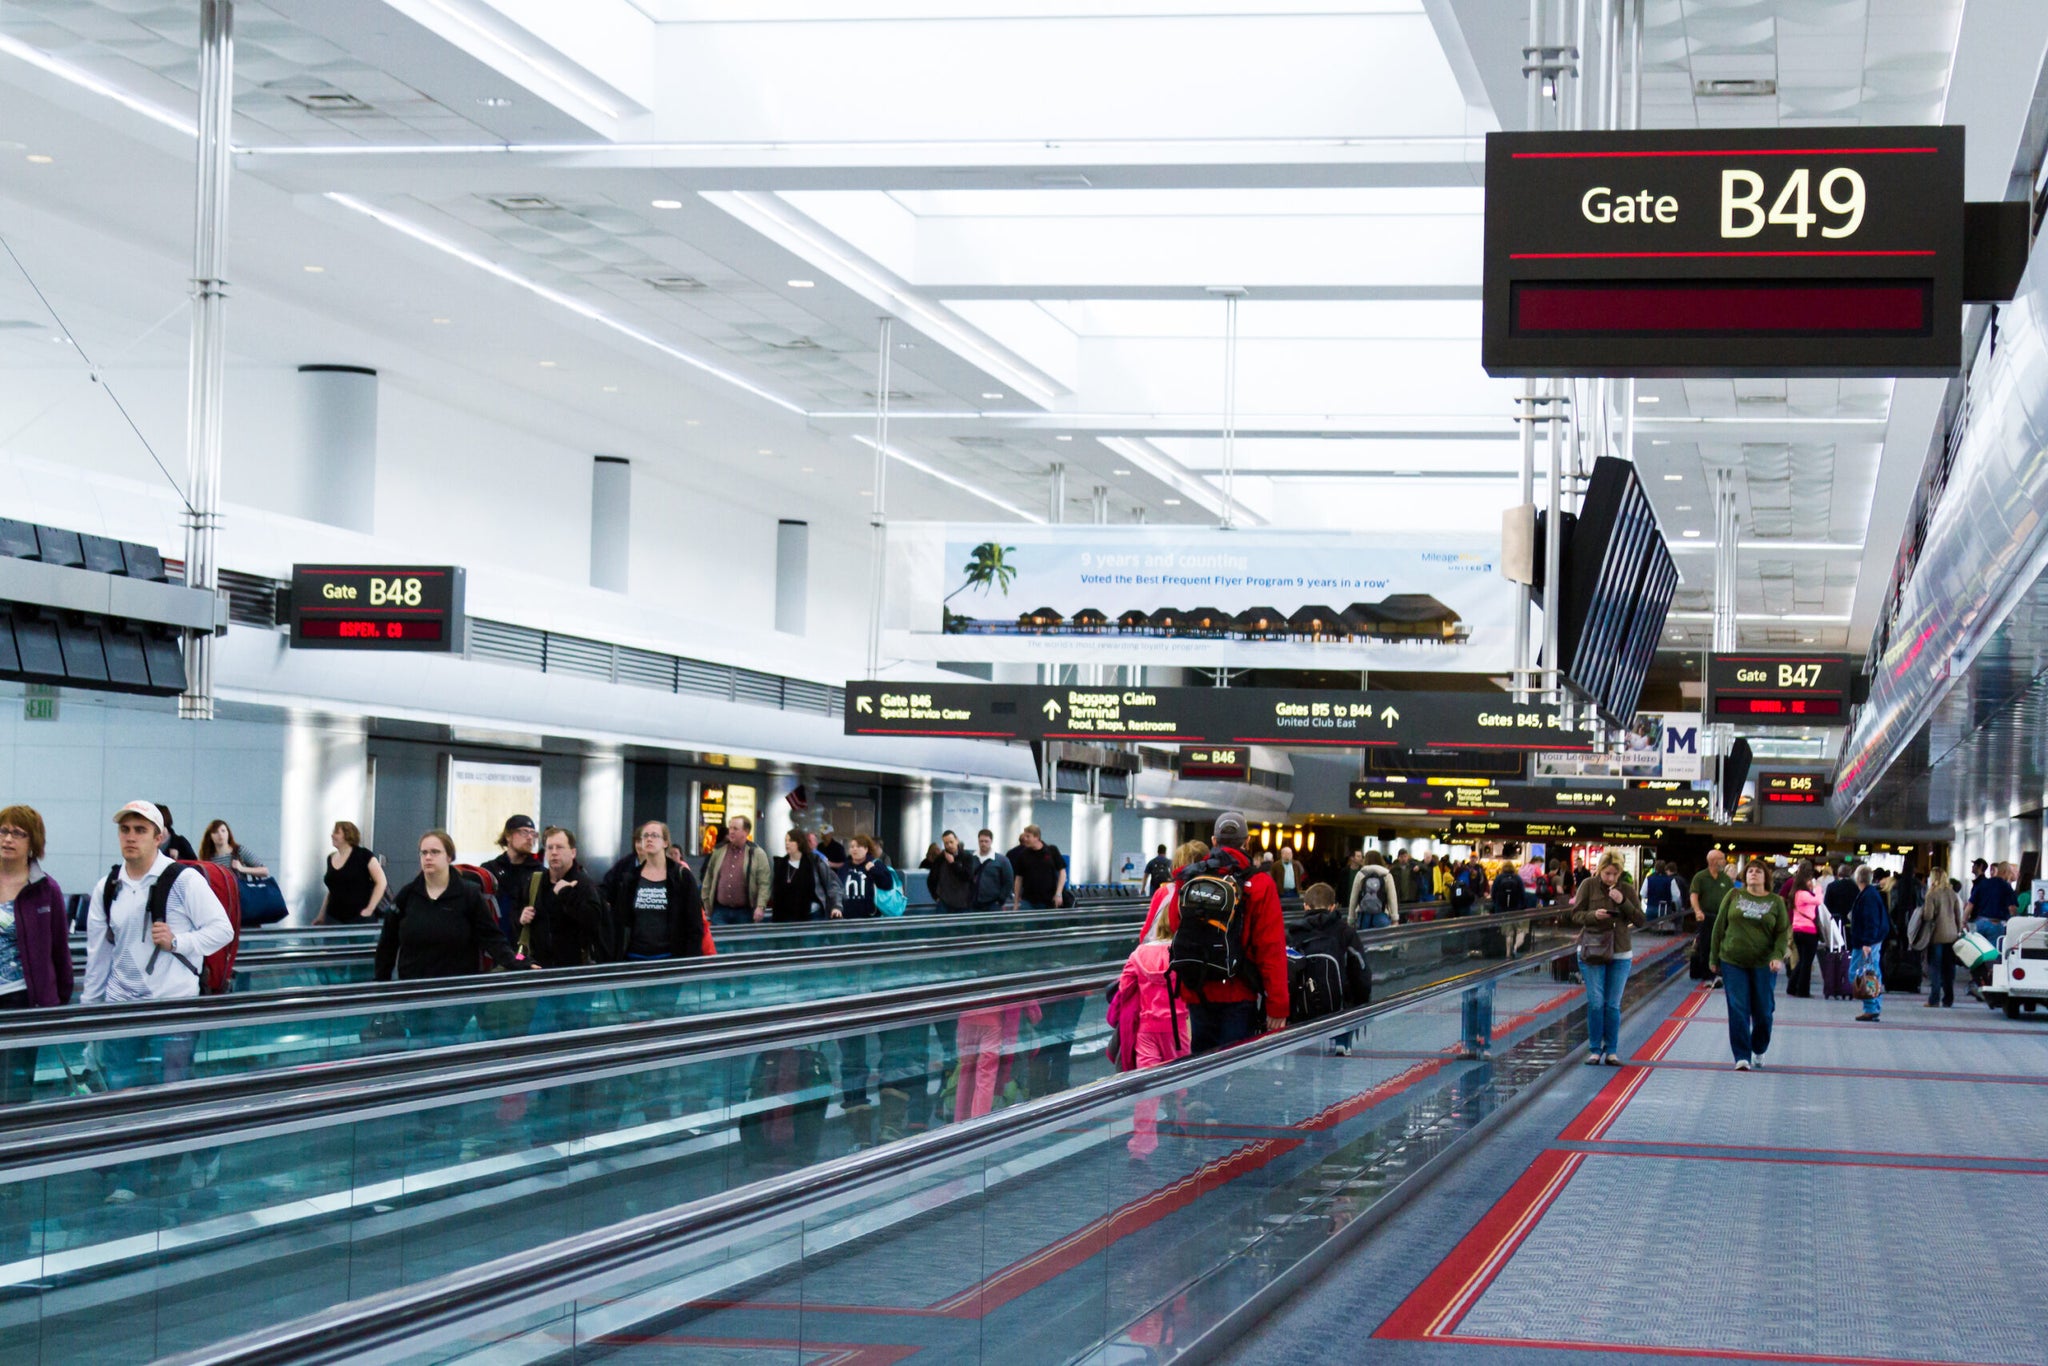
{"x":985,"y":567}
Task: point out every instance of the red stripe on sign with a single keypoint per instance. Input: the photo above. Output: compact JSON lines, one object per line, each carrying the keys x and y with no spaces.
{"x":1688,"y":255}
{"x":1565,"y":309}
{"x":1734,"y":152}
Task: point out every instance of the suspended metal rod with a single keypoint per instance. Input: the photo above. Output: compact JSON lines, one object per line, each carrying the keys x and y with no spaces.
{"x":207,"y":363}
{"x":878,"y":520}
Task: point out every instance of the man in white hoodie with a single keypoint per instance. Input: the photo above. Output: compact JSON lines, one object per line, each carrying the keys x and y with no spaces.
{"x":129,"y":958}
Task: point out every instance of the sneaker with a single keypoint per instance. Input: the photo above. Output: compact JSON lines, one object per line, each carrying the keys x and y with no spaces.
{"x":1592,"y":1060}
{"x":1612,"y":1060}
{"x":1742,"y":1064}
{"x":1484,"y":1055}
{"x":1756,"y":1064}
{"x":1867,"y":1019}
{"x":1341,"y":1050}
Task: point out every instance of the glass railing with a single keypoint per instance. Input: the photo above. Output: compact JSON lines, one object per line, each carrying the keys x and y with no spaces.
{"x":314,"y":959}
{"x":1119,"y":1223}
{"x":301,"y":1204}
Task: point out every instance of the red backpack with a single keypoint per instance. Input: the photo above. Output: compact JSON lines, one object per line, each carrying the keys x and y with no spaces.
{"x":217,"y":973}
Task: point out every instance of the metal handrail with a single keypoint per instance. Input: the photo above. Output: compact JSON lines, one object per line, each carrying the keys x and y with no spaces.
{"x":510,"y":1287}
{"x":68,"y":1024}
{"x":91,"y":1131}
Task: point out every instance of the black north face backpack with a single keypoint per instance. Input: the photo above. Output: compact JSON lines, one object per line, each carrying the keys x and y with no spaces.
{"x":1208,"y":943}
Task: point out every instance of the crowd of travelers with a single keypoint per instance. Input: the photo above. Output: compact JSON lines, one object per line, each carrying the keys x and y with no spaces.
{"x":1217,"y":960}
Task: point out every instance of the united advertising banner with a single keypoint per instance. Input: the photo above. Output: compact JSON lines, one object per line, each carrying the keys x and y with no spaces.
{"x":1198,"y":596}
{"x":1657,"y":745}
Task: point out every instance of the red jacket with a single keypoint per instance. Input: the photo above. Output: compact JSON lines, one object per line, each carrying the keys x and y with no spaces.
{"x":1265,"y":942}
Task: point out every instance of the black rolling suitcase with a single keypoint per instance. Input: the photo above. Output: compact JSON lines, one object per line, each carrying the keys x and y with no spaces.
{"x":1834,"y":974}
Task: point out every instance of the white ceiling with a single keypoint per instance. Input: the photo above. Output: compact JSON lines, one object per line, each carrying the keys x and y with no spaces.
{"x":1046,"y":196}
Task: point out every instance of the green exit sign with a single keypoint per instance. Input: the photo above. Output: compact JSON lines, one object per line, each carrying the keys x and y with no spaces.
{"x":39,"y":703}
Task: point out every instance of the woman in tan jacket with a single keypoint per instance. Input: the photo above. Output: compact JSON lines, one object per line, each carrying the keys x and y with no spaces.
{"x":1605,"y":908}
{"x":1937,"y":925}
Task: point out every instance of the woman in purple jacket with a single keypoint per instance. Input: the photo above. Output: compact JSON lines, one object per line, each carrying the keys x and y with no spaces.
{"x":35,"y":941}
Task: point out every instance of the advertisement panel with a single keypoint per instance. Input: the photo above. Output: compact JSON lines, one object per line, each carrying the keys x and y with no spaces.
{"x":1199,"y":596}
{"x":1658,"y":745}
{"x":481,"y":797}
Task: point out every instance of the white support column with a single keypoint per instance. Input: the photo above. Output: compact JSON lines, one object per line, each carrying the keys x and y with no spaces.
{"x":792,"y":576}
{"x":207,"y":363}
{"x":611,"y":521}
{"x":338,"y":443}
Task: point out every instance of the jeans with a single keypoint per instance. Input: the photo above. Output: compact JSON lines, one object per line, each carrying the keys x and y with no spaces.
{"x":731,"y":915}
{"x":1799,"y":982}
{"x":1749,"y":992}
{"x":1865,"y":958}
{"x":1941,"y":974}
{"x":1475,"y":1018}
{"x":1994,"y":930}
{"x":1604,"y":982}
{"x":1211,"y":1027}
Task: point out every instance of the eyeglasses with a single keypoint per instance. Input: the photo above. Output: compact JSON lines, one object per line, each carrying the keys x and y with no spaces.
{"x":8,"y":832}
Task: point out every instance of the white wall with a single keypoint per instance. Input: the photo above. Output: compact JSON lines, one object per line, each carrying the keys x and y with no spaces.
{"x":453,"y":486}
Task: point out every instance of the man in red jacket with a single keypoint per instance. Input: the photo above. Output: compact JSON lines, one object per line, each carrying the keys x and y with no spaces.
{"x":1224,"y":1013}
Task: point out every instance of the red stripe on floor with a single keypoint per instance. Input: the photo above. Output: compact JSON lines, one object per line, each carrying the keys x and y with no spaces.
{"x":1791,"y":1154}
{"x":1094,"y":1237}
{"x":1435,"y":1306}
{"x":1716,"y":1353}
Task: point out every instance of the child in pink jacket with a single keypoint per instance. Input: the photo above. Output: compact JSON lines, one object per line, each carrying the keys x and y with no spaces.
{"x":1161,"y":1025}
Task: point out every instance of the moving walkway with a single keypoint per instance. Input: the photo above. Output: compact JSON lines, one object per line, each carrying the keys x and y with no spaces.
{"x":285,"y":1193}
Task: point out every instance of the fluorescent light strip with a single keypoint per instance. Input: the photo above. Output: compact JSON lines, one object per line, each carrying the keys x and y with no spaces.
{"x":1810,"y":617}
{"x":576,"y":306}
{"x":603,"y":101}
{"x":1844,"y":546}
{"x":770,"y":216}
{"x":946,"y":478}
{"x":65,"y":71}
{"x":1152,"y":148}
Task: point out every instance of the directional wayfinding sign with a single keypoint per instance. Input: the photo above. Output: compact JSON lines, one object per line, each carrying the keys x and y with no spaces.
{"x":1780,"y":690}
{"x":1724,"y":251}
{"x":1570,"y":832}
{"x":1531,"y":799}
{"x":1208,"y":716}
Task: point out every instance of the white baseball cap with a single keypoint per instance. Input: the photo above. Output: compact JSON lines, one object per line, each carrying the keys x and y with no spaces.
{"x":146,"y":810}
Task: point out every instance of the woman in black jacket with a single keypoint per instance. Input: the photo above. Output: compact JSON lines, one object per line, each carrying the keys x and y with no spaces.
{"x":564,"y":925}
{"x":797,"y":890}
{"x":657,"y":910}
{"x":441,"y":925}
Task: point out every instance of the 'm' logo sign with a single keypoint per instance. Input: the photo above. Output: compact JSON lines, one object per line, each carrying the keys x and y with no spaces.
{"x":1678,"y":741}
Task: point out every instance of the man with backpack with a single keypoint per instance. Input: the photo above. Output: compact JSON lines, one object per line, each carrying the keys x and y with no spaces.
{"x":1374,"y":903}
{"x":151,"y":924}
{"x":1229,"y":943}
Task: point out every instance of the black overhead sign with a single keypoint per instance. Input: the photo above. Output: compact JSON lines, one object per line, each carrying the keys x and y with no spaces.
{"x":1792,"y":789}
{"x":1530,"y":799}
{"x":1780,"y":690}
{"x":1752,"y":251}
{"x":1570,"y":832}
{"x":376,"y":607}
{"x":1292,"y":717}
{"x":1227,"y":763}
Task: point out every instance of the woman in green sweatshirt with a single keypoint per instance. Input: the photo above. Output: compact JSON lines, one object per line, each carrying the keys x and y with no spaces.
{"x":1752,"y":937}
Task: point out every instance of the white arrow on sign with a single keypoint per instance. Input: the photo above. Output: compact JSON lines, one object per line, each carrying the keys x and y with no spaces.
{"x":1389,"y":716}
{"x":1051,"y":708}
{"x":864,"y":704}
